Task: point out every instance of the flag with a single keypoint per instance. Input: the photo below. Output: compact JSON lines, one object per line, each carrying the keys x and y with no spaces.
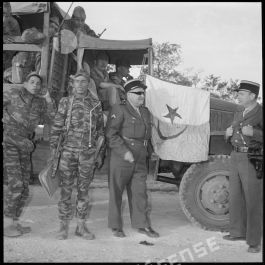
{"x":180,"y":128}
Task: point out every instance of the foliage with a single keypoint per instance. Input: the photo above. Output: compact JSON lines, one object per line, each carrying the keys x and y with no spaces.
{"x":167,"y":58}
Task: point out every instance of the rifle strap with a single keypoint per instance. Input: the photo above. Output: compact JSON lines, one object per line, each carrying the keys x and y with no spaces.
{"x":68,"y":119}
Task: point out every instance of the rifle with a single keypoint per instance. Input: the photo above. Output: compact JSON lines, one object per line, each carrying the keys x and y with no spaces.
{"x":100,"y":34}
{"x":255,"y":157}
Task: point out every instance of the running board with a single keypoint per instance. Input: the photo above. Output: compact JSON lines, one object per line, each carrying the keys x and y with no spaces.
{"x":167,"y":180}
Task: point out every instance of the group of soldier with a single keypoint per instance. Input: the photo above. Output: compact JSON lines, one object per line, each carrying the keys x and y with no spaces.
{"x":111,"y":106}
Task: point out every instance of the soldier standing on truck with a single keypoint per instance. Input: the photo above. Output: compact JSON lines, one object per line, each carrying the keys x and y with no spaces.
{"x":23,"y":110}
{"x":128,"y":134}
{"x":81,"y":114}
{"x":245,"y":196}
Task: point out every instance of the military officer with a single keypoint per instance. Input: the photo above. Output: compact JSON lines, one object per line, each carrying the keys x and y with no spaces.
{"x":128,"y":134}
{"x":24,"y":109}
{"x":245,"y":133}
{"x":82,"y":114}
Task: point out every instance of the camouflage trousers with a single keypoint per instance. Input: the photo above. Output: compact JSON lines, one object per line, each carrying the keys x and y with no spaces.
{"x":80,"y":164}
{"x":17,"y":167}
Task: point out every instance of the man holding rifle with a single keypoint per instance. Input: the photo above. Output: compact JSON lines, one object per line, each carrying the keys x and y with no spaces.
{"x":81,"y":114}
{"x":246,"y":136}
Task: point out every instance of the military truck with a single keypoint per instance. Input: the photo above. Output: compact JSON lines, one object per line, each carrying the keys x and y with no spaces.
{"x":203,"y":187}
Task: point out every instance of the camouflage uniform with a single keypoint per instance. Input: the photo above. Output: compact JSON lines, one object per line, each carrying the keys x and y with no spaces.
{"x":70,"y":25}
{"x":22,"y":113}
{"x":79,"y":146}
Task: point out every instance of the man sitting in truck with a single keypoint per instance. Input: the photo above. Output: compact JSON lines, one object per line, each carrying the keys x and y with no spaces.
{"x":119,"y":77}
{"x":11,"y":28}
{"x":101,"y":78}
{"x":25,"y":62}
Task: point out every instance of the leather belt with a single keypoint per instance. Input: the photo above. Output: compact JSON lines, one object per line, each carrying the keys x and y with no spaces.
{"x":144,"y":142}
{"x":241,"y":149}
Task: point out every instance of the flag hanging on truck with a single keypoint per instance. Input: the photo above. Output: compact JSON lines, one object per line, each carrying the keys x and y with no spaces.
{"x":181,"y":128}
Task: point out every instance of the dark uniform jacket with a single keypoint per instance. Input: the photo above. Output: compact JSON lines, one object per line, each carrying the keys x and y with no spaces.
{"x":253,"y":118}
{"x":126,"y":129}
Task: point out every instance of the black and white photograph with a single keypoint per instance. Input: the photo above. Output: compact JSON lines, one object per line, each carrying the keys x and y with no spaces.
{"x":132,"y":132}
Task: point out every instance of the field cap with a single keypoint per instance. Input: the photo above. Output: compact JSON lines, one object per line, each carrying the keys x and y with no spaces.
{"x":33,"y":74}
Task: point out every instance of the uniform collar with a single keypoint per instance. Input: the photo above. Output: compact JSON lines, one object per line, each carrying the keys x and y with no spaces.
{"x":133,"y":110}
{"x":26,"y":94}
{"x":252,"y":111}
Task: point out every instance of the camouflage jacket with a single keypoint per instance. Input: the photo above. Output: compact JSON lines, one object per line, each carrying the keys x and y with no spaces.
{"x":85,"y":124}
{"x":22,"y":111}
{"x":70,"y":25}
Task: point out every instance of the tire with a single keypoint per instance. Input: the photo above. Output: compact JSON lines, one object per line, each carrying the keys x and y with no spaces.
{"x":204,"y":193}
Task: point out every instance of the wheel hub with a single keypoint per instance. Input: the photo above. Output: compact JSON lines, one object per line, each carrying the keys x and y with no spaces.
{"x":214,"y":195}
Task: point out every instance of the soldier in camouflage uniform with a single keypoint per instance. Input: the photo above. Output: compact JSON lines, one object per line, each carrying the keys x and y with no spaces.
{"x":77,"y":23}
{"x":23,"y":110}
{"x":82,"y":114}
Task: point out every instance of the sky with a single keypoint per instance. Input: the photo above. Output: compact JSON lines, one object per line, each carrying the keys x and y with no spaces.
{"x":224,"y":39}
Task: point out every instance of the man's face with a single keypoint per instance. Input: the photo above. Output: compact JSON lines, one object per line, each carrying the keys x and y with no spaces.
{"x":135,"y":99}
{"x":33,"y":85}
{"x":79,"y":22}
{"x":245,"y":98}
{"x":101,"y":64}
{"x":123,"y":70}
{"x":80,"y":85}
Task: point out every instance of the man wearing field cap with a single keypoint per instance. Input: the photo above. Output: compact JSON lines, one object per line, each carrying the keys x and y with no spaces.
{"x":79,"y":118}
{"x":246,"y":136}
{"x":128,"y":134}
{"x":23,"y":110}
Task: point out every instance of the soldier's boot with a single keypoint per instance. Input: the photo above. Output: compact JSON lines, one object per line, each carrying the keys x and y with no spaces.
{"x":62,"y":234}
{"x":22,"y":229}
{"x":82,"y":230}
{"x":10,"y":229}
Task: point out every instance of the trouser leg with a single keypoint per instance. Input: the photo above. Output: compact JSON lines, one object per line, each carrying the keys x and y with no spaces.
{"x":85,"y":177}
{"x":120,"y":174}
{"x":17,"y":176}
{"x":237,"y":205}
{"x":68,"y":168}
{"x":253,"y":193}
{"x":139,"y":201}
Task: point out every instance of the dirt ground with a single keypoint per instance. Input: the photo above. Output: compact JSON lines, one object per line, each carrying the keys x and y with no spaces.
{"x":179,"y":240}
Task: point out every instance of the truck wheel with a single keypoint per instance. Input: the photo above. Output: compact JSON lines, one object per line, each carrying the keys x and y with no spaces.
{"x":204,"y":192}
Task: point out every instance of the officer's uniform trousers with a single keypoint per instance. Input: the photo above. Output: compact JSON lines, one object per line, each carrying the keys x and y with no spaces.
{"x":128,"y":133}
{"x":245,"y":201}
{"x":245,"y":196}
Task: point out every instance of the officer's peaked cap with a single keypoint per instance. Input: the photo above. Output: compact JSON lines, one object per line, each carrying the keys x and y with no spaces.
{"x":33,"y":74}
{"x":249,"y":86}
{"x":132,"y":84}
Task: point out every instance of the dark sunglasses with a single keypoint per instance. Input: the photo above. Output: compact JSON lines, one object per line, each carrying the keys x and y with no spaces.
{"x":138,"y":93}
